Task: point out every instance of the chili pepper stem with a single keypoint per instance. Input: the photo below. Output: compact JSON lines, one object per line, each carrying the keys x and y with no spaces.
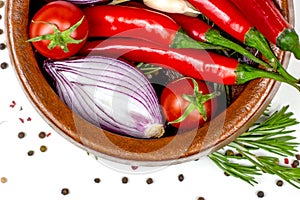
{"x":255,"y":39}
{"x":288,"y":40}
{"x":213,"y":36}
{"x":245,"y":73}
{"x":182,"y":40}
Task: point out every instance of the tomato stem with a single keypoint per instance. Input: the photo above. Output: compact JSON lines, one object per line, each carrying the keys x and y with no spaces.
{"x":59,"y":38}
{"x":196,"y":101}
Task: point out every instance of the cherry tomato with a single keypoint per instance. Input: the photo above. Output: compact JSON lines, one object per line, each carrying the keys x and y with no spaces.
{"x":60,"y":15}
{"x":174,"y":104}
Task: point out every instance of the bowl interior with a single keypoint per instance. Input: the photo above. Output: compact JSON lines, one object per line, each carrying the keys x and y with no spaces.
{"x":190,"y":145}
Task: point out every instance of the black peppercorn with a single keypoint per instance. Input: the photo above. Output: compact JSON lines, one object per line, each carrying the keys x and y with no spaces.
{"x":279,"y":183}
{"x":1,"y":31}
{"x":180,"y":177}
{"x":295,"y":164}
{"x":2,"y":46}
{"x":297,"y":156}
{"x":239,"y":155}
{"x":229,"y":153}
{"x":30,"y":153}
{"x":4,"y":65}
{"x":260,"y":194}
{"x":65,"y":191}
{"x":200,"y":198}
{"x":226,"y":174}
{"x":124,"y":180}
{"x":42,"y":134}
{"x":149,"y":181}
{"x":97,"y":180}
{"x":21,"y":135}
{"x":1,"y":4}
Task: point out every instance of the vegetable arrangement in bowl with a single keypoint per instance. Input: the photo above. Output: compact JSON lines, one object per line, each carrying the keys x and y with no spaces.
{"x":142,"y":82}
{"x":92,"y":50}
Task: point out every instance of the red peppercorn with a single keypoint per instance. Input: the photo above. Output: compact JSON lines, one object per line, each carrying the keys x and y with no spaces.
{"x":286,"y":161}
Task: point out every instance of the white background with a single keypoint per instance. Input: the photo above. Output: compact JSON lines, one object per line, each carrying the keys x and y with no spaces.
{"x":63,"y":165}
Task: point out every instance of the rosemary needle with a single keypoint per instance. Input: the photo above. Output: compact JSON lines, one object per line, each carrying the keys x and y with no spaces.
{"x":272,"y":135}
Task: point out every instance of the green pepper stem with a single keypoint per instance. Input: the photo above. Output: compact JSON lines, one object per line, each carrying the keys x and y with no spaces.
{"x":215,"y":41}
{"x":182,"y":40}
{"x":254,"y":38}
{"x":288,"y":40}
{"x":213,"y":36}
{"x":245,"y":73}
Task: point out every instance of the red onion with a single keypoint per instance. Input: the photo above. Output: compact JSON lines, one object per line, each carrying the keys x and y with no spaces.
{"x":108,"y":93}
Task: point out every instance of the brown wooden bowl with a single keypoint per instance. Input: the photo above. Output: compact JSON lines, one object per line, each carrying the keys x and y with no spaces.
{"x":224,"y":128}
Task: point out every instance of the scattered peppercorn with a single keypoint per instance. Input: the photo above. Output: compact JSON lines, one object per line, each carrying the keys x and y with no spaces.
{"x":2,"y":46}
{"x":295,"y":164}
{"x":200,"y":198}
{"x":21,"y":135}
{"x":124,"y":180}
{"x":180,"y":177}
{"x":97,"y":180}
{"x":260,"y":194}
{"x":1,"y":31}
{"x":3,"y":179}
{"x":239,"y":155}
{"x":30,"y":153}
{"x":65,"y":191}
{"x":1,"y":4}
{"x":42,"y":134}
{"x":134,"y":167}
{"x":43,"y":148}
{"x":297,"y":156}
{"x":279,"y":183}
{"x":229,"y":153}
{"x":149,"y":181}
{"x":4,"y":65}
{"x":286,"y":161}
{"x":0,"y":16}
{"x":226,"y":174}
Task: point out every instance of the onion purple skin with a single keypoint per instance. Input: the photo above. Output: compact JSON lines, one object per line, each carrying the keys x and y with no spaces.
{"x":108,"y":93}
{"x":84,"y":2}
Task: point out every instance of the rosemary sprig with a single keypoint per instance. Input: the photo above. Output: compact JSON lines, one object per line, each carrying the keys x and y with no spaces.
{"x":244,"y":172}
{"x":271,"y":135}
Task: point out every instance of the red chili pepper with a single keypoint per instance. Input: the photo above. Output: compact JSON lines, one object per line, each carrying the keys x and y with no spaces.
{"x":125,"y":21}
{"x":195,"y":63}
{"x":265,"y":16}
{"x":137,"y":22}
{"x":200,"y":31}
{"x":224,"y":14}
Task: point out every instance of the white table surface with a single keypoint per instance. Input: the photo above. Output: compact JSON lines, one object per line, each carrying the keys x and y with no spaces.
{"x":63,"y":165}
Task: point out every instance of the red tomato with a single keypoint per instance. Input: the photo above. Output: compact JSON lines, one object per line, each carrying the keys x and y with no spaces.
{"x":174,"y":105}
{"x":63,"y":15}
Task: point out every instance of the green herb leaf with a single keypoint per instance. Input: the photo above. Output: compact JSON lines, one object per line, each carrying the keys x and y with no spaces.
{"x":272,"y":135}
